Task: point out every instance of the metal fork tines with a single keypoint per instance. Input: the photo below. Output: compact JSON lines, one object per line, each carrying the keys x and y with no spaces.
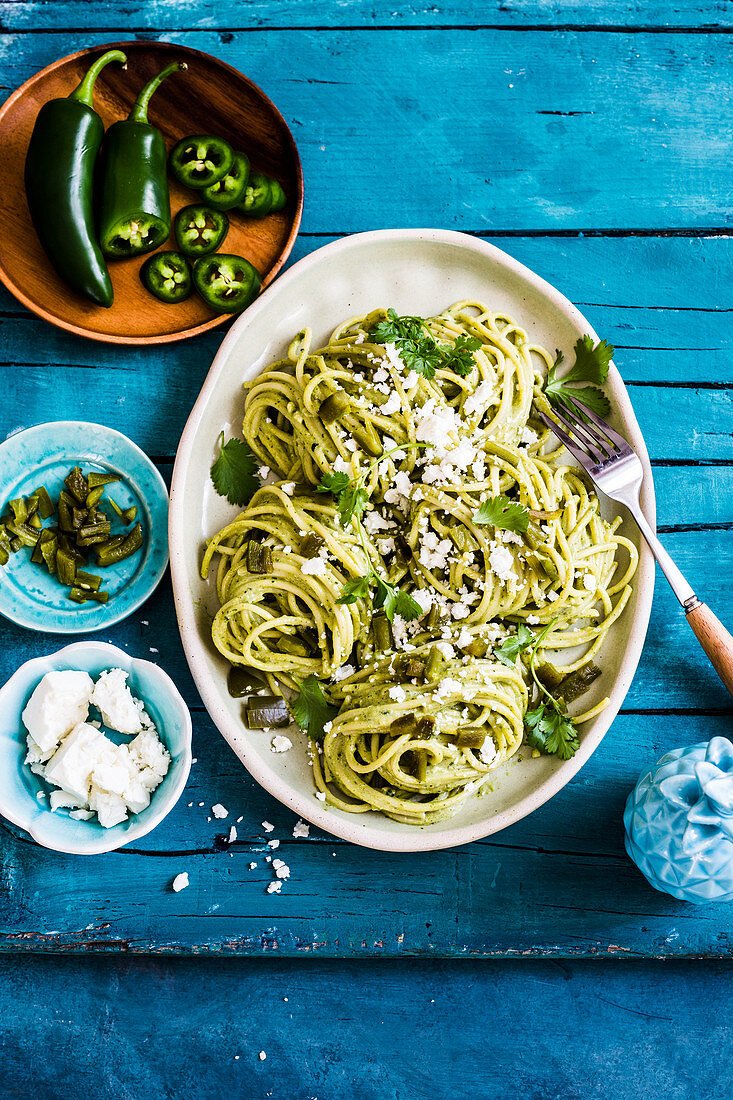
{"x":614,"y":468}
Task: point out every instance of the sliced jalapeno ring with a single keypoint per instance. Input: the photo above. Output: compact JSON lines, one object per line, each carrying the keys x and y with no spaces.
{"x":167,"y":276}
{"x":229,"y":190}
{"x":279,"y":198}
{"x":200,"y":160}
{"x":227,"y":283}
{"x":257,"y":201}
{"x":134,"y":236}
{"x":200,"y":230}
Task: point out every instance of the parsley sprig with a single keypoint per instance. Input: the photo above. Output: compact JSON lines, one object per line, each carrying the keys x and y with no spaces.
{"x":311,"y":709}
{"x":234,"y":472}
{"x":583,"y":379}
{"x":420,"y":351}
{"x":502,"y":512}
{"x":548,"y":727}
{"x":352,"y":498}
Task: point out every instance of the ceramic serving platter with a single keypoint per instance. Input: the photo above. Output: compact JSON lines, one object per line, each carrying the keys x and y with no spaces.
{"x":211,"y":97}
{"x":43,"y":455}
{"x":416,"y":272}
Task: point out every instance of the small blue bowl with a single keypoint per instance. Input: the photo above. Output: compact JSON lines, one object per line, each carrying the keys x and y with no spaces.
{"x":43,"y":455}
{"x":20,"y":788}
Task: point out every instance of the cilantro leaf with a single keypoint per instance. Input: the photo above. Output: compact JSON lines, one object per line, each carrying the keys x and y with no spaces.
{"x":333,"y":483}
{"x":234,"y":472}
{"x":501,"y":512}
{"x":398,"y":328}
{"x":354,"y":590}
{"x":512,"y":646}
{"x":311,"y":709}
{"x":459,"y":357}
{"x":420,"y":351}
{"x":351,"y":495}
{"x":395,"y":601}
{"x":352,"y":502}
{"x":421,"y":356}
{"x":591,"y":366}
{"x":551,"y":732}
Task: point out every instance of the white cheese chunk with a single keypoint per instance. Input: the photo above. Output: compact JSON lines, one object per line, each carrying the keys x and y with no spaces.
{"x":180,"y":882}
{"x":114,"y":699}
{"x":58,"y":704}
{"x":72,"y":764}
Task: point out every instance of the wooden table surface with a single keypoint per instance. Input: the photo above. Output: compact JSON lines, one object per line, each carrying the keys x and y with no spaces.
{"x":590,"y":139}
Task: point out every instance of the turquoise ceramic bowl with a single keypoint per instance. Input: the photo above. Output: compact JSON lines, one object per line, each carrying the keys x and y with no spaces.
{"x":43,"y":455}
{"x":20,"y":788}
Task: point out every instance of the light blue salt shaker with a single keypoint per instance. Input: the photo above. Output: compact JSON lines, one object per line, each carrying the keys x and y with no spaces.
{"x":679,"y":823}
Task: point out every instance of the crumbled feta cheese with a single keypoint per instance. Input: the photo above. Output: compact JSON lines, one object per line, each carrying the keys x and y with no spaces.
{"x":589,"y":582}
{"x":343,"y":672}
{"x":114,"y":700}
{"x":180,"y":882}
{"x":446,"y":650}
{"x":72,"y":764}
{"x":392,"y":405}
{"x":267,"y":826}
{"x":262,"y":1054}
{"x":272,"y":888}
{"x":81,"y":815}
{"x":448,"y":686}
{"x":533,"y":620}
{"x":528,"y":436}
{"x":321,"y":796}
{"x":281,"y":869}
{"x":315,"y":567}
{"x":487,"y":751}
{"x":232,"y":834}
{"x":219,"y":811}
{"x":434,"y":551}
{"x":288,"y":487}
{"x":58,"y":703}
{"x":327,"y":727}
{"x":301,"y":829}
{"x":501,"y":562}
{"x":479,"y":399}
{"x":251,"y":866}
{"x":273,"y":844}
{"x":280,"y":743}
{"x":398,"y":693}
{"x":464,"y":638}
{"x":375,"y":522}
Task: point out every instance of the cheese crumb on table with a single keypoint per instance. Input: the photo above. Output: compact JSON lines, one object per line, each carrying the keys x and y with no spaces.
{"x":267,"y":826}
{"x":219,"y":811}
{"x":180,"y":882}
{"x":301,"y":829}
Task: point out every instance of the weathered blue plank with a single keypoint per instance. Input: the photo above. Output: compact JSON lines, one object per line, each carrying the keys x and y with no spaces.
{"x":349,"y":1031}
{"x":557,"y":884}
{"x":573,"y":129}
{"x":634,"y":291}
{"x":254,"y":15}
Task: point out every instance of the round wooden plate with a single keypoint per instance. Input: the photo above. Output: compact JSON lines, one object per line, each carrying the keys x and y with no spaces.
{"x":209,"y":98}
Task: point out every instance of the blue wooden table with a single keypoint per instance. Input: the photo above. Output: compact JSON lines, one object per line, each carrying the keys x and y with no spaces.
{"x":591,"y":139}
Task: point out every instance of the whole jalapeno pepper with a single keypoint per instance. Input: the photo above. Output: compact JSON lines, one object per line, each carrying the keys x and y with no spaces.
{"x":227,"y":283}
{"x":200,"y":230}
{"x":135,"y":209}
{"x":59,"y":180}
{"x":200,"y":160}
{"x":229,"y":190}
{"x":257,"y":201}
{"x":167,"y":276}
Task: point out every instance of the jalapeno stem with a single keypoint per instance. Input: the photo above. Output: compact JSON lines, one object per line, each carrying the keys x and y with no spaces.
{"x":83,"y":94}
{"x":139,"y":112}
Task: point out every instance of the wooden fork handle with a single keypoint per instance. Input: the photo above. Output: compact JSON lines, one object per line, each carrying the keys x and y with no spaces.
{"x":715,"y":640}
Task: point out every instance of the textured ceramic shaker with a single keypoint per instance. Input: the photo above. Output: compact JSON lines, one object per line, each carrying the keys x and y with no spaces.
{"x":679,"y":823}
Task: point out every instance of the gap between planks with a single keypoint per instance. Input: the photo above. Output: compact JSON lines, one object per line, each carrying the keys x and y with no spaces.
{"x":541,"y":28}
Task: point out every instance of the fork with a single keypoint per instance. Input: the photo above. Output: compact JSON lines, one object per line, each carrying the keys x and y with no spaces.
{"x":614,"y":468}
